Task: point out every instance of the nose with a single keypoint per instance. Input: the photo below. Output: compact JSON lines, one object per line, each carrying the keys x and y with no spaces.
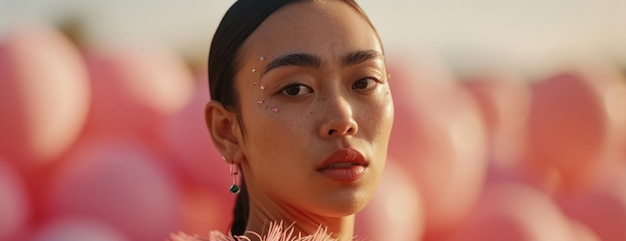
{"x":338,"y":119}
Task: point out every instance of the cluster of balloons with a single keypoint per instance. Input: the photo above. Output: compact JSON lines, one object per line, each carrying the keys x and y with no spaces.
{"x":496,"y":156}
{"x":104,"y":143}
{"x":109,"y":144}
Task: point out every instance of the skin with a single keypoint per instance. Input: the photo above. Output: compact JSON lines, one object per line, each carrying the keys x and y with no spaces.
{"x":307,"y":113}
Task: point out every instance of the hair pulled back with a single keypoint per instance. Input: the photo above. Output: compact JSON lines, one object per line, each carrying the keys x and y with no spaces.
{"x":239,"y":22}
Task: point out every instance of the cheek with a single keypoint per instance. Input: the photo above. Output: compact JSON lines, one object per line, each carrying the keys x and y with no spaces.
{"x":278,"y":121}
{"x":274,"y":141}
{"x":379,"y":118}
{"x":389,"y":113}
{"x":273,"y":125}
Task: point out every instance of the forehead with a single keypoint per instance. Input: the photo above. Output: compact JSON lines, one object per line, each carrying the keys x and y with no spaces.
{"x":323,"y":28}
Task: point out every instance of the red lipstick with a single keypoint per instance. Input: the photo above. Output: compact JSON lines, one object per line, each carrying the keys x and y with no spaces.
{"x":344,"y":165}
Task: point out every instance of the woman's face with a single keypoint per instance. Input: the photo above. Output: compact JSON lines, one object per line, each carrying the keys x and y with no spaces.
{"x":316,"y":111}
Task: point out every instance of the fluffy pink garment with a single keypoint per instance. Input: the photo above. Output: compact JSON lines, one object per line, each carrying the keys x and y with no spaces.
{"x":276,"y":232}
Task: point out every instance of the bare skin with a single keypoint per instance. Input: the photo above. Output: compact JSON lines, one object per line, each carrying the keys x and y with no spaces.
{"x":312,"y":84}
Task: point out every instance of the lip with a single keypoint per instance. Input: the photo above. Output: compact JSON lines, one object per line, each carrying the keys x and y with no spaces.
{"x":344,"y":165}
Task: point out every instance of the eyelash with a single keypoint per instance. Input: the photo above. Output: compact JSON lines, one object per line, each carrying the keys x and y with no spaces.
{"x":292,"y":85}
{"x":376,"y":81}
{"x":298,"y":84}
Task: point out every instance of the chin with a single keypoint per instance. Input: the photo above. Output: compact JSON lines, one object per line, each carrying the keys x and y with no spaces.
{"x":346,"y":203}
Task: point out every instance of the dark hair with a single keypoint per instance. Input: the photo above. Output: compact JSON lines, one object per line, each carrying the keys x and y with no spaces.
{"x":239,"y":22}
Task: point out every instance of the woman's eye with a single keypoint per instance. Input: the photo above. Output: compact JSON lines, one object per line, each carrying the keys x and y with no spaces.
{"x":296,"y":89}
{"x":364,"y":83}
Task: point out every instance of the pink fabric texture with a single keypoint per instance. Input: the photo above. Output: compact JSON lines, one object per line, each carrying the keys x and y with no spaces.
{"x":276,"y":232}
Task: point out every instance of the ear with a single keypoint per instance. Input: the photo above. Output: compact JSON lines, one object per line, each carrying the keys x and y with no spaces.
{"x":225,"y":131}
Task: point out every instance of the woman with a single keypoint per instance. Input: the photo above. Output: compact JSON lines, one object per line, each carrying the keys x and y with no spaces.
{"x":301,"y":106}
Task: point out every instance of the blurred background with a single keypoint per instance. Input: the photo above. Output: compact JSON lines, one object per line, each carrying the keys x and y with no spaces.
{"x":510,"y":121}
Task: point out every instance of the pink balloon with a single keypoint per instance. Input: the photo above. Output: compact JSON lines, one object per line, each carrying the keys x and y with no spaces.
{"x":186,"y":136}
{"x":577,"y":123}
{"x":205,"y":210}
{"x":135,"y":87}
{"x":14,"y":203}
{"x":504,"y":100}
{"x":44,"y":94}
{"x":77,"y":229}
{"x":602,"y":206}
{"x":118,"y":182}
{"x":513,"y":212}
{"x":439,"y":136}
{"x":582,"y":232}
{"x":395,"y":212}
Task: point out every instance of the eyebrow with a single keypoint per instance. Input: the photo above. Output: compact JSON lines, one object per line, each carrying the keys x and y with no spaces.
{"x":313,"y":61}
{"x":297,"y":59}
{"x":360,"y":56}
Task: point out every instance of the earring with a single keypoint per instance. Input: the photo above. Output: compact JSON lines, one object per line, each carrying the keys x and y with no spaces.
{"x":234,"y":189}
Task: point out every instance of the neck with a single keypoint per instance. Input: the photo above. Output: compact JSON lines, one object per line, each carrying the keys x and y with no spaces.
{"x":261,"y":216}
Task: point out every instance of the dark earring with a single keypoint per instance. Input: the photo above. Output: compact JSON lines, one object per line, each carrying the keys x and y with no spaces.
{"x":234,"y":189}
